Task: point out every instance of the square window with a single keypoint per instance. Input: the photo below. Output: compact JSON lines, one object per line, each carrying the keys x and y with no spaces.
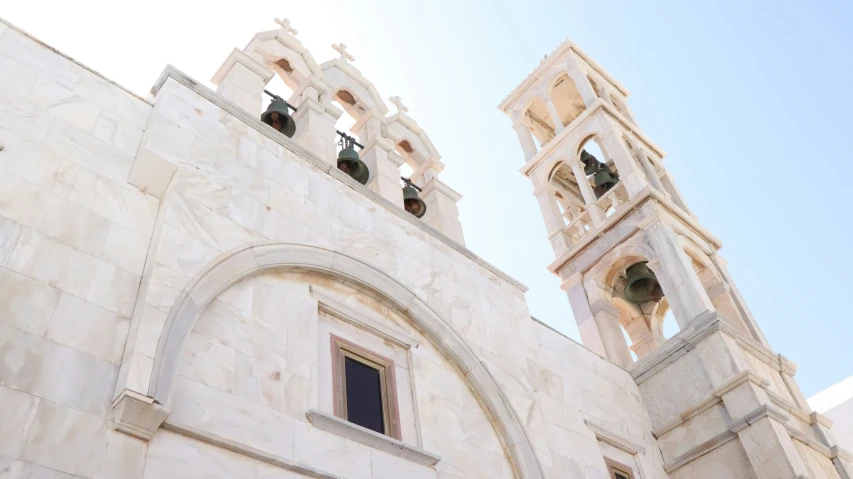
{"x":364,"y":388}
{"x":617,"y":470}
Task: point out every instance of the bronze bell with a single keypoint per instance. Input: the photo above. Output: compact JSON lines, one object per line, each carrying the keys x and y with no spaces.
{"x":351,"y":164}
{"x":278,"y":117}
{"x":604,"y":180}
{"x":642,"y":286}
{"x":412,"y":203}
{"x":590,"y":163}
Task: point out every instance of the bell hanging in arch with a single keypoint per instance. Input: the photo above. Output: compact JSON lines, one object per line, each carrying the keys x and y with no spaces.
{"x":642,"y":285}
{"x":278,"y":117}
{"x":350,"y":163}
{"x":412,"y":202}
{"x":590,"y":163}
{"x":604,"y":180}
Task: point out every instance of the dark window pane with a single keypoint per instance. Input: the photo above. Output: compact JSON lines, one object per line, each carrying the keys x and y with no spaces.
{"x":619,"y":475}
{"x":364,"y":396}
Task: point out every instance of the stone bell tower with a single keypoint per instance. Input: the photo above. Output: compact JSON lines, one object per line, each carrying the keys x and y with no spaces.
{"x":719,"y":398}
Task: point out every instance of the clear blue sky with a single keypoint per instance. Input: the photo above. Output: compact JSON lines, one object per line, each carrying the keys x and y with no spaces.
{"x":750,"y":100}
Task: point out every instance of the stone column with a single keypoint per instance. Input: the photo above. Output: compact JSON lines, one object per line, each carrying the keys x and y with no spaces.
{"x":241,"y":80}
{"x":674,"y":270}
{"x":607,"y":318}
{"x":614,"y":146}
{"x":554,"y":222}
{"x":525,"y":137}
{"x":555,"y":116}
{"x":442,"y":212}
{"x":315,"y":126}
{"x":650,"y":171}
{"x":722,"y":268}
{"x":674,"y":192}
{"x":380,"y":157}
{"x":586,"y":190}
{"x":587,"y":326}
{"x":583,"y":85}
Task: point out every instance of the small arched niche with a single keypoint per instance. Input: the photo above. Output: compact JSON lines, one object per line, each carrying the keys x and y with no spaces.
{"x":562,"y":183}
{"x":352,"y":109}
{"x":567,"y":99}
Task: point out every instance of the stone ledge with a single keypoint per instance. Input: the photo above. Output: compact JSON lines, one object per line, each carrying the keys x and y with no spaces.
{"x":336,"y":425}
{"x":137,"y":415}
{"x":621,"y":441}
{"x":303,"y":153}
{"x":350,"y":315}
{"x":248,"y":451}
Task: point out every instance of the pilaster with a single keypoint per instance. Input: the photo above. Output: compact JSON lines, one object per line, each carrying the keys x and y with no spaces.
{"x":442,"y":212}
{"x":674,"y":270}
{"x":241,"y":80}
{"x":315,"y":128}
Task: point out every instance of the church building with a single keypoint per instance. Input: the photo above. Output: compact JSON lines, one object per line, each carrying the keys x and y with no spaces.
{"x":198,"y":285}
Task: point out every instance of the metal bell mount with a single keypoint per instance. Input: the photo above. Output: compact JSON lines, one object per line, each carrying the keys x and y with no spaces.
{"x":411,"y":201}
{"x":278,"y":115}
{"x":642,"y":285}
{"x":348,"y":160}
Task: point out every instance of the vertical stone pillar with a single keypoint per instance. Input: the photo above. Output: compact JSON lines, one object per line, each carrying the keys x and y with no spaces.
{"x":583,"y":85}
{"x":629,"y":171}
{"x":650,"y":171}
{"x":674,"y":193}
{"x":722,"y":268}
{"x":674,"y":270}
{"x":315,"y":124}
{"x":587,"y":326}
{"x":241,"y":80}
{"x":607,"y":318}
{"x":586,"y":191}
{"x":555,"y":116}
{"x":381,"y":158}
{"x":525,"y":137}
{"x":442,"y":212}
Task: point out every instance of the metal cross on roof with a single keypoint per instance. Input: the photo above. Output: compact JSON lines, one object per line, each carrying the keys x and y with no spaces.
{"x":342,"y":49}
{"x":284,"y":23}
{"x":401,"y":108}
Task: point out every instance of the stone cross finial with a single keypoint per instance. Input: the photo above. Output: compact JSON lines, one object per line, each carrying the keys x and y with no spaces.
{"x":342,"y":49}
{"x":401,"y":108}
{"x":284,"y":23}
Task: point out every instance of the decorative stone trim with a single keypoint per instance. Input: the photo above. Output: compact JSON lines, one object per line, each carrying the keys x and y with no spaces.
{"x":358,"y":319}
{"x":300,"y":151}
{"x":237,"y":56}
{"x":628,"y":128}
{"x":546,"y":65}
{"x":713,"y":398}
{"x":343,"y":428}
{"x":818,"y":418}
{"x":137,"y":415}
{"x":246,"y":261}
{"x":757,"y":414}
{"x":688,"y":338}
{"x":817,"y":446}
{"x":244,"y":450}
{"x":647,"y":194}
{"x":699,"y":450}
{"x":621,"y":441}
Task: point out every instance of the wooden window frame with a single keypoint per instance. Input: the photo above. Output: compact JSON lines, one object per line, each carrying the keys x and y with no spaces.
{"x":342,"y":349}
{"x":613,"y":467}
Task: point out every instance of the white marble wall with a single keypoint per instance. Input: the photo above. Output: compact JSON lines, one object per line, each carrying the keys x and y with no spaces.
{"x":109,"y":206}
{"x":73,"y":239}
